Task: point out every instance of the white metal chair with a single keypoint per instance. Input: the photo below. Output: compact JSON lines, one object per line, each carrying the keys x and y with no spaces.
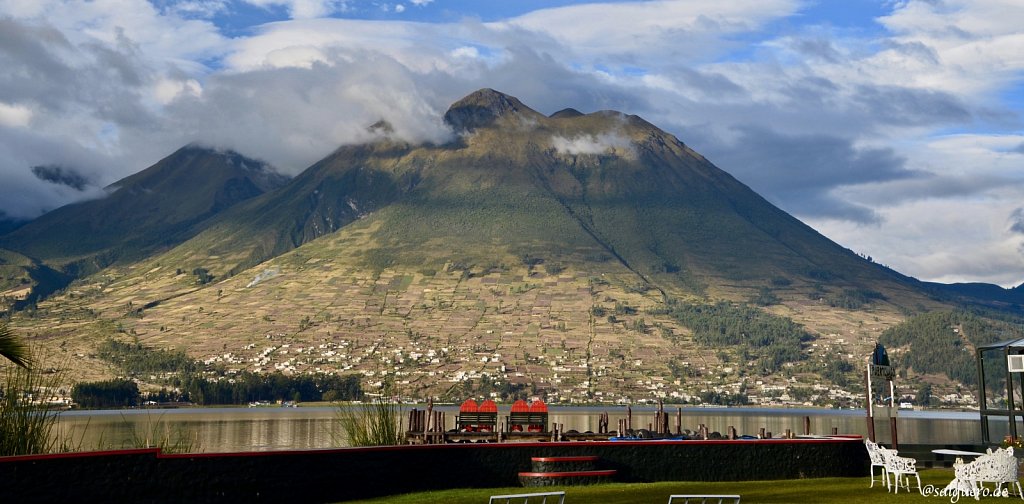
{"x":877,"y":457}
{"x":997,"y":467}
{"x":1009,"y":471}
{"x":901,"y":468}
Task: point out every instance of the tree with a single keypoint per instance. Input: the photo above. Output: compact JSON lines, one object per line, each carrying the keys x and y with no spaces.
{"x":924,"y":395}
{"x":203,"y":276}
{"x":12,"y":348}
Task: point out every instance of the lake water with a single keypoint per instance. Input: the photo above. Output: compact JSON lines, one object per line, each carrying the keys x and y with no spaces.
{"x":210,"y":430}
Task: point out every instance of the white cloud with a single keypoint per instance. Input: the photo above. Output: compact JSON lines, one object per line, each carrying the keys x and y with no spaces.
{"x":291,"y":117}
{"x":976,"y":46}
{"x":316,"y":36}
{"x":634,"y":32}
{"x":603,"y":143}
{"x":304,"y":9}
{"x":468,"y":52}
{"x":14,"y":115}
{"x":296,"y":56}
{"x":166,"y":90}
{"x":198,"y":8}
{"x":962,"y":241}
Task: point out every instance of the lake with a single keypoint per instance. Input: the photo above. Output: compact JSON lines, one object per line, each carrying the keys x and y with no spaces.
{"x":213,"y":430}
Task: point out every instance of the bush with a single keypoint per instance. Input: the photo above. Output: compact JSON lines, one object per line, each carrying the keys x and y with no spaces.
{"x":203,"y":276}
{"x":553,"y":268}
{"x":375,"y":424}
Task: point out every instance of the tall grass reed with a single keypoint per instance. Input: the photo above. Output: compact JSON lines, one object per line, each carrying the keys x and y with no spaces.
{"x":156,"y":433}
{"x":27,"y":422}
{"x":376,"y":424}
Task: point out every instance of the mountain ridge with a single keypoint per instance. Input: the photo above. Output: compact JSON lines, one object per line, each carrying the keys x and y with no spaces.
{"x":155,"y":208}
{"x":576,"y":253}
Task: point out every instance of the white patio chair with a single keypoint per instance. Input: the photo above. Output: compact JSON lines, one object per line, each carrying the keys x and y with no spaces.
{"x":877,"y":460}
{"x":998,"y":467}
{"x":901,"y":468}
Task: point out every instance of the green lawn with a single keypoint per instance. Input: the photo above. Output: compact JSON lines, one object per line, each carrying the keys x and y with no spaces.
{"x":823,"y":490}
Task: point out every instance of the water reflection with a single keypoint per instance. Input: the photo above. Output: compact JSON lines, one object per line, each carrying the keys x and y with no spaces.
{"x":212,"y":430}
{"x":208,"y":429}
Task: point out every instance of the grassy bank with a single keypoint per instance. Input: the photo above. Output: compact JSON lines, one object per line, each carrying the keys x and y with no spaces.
{"x":819,"y":490}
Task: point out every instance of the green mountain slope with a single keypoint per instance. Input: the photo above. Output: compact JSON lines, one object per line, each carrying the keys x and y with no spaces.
{"x":14,"y":276}
{"x":570,"y":188}
{"x":154,"y":209}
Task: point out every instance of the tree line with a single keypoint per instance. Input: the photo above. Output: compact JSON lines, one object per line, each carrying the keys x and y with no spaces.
{"x":242,"y":388}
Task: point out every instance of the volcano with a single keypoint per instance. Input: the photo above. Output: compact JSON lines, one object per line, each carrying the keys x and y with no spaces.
{"x":572,"y":256}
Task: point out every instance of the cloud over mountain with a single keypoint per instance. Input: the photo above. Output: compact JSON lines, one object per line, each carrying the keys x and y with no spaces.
{"x":842,"y":114}
{"x":61,"y":176}
{"x":592,"y":144}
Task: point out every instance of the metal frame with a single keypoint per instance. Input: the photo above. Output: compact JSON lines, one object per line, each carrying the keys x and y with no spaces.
{"x":705,"y":499}
{"x":1013,"y":411}
{"x":526,"y":497}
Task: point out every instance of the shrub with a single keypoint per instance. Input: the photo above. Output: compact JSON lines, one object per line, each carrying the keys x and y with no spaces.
{"x":203,"y":276}
{"x":375,"y":424}
{"x":553,"y":268}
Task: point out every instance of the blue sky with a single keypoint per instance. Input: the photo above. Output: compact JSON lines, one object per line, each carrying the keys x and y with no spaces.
{"x":894,"y":127}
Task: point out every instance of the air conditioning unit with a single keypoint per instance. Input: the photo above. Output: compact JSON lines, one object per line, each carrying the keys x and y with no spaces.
{"x":1015,"y":363}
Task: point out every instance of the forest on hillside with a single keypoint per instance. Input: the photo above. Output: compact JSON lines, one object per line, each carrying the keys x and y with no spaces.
{"x":771,"y":339}
{"x":944,"y":342}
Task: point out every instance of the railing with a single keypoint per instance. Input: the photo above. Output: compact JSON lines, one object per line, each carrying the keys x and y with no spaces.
{"x":508,"y":499}
{"x":703,"y":499}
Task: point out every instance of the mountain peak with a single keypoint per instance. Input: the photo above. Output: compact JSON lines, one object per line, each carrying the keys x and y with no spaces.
{"x":567,"y":113}
{"x":481,"y":108}
{"x":162,"y":205}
